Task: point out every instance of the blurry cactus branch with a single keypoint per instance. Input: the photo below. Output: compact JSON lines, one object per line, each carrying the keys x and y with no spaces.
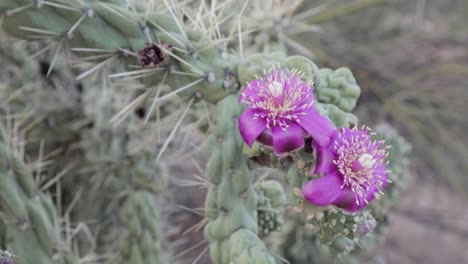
{"x":193,"y":61}
{"x":332,"y":13}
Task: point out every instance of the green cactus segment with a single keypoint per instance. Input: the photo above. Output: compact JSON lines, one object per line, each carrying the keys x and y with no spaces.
{"x":32,"y":227}
{"x":16,"y":60}
{"x":326,"y":236}
{"x":256,"y":64}
{"x":301,"y":245}
{"x":231,"y":202}
{"x":271,"y":201}
{"x":139,"y":240}
{"x":197,"y":64}
{"x":338,"y":87}
{"x":296,"y":179}
{"x":339,"y":117}
{"x":342,"y":230}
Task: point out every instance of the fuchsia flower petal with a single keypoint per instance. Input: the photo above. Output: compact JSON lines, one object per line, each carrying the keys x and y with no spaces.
{"x":347,"y":201}
{"x":319,"y":127}
{"x":287,"y":140}
{"x":250,"y":127}
{"x":324,"y":160}
{"x":360,"y":164}
{"x":323,"y":191}
{"x":266,"y":138}
{"x":281,"y":106}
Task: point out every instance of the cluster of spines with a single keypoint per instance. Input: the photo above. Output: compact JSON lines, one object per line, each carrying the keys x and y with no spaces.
{"x":106,"y":31}
{"x":32,"y":227}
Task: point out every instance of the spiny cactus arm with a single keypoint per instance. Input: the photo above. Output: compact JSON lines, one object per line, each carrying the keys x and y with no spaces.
{"x":270,"y":206}
{"x":196,"y":63}
{"x":32,"y":225}
{"x":231,"y":202}
{"x":139,"y":239}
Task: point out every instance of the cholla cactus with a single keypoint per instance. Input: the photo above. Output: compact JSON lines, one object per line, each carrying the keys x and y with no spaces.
{"x":293,"y":107}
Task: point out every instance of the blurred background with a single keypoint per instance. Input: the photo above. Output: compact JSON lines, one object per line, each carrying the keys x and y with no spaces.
{"x":410,"y":58}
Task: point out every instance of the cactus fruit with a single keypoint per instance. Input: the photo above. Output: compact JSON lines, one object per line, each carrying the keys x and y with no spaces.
{"x":271,"y":201}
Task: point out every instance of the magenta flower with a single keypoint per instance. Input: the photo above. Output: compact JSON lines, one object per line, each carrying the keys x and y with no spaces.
{"x":355,"y":171}
{"x":281,"y":111}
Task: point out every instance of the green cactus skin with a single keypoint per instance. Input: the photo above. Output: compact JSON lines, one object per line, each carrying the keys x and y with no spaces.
{"x":211,"y":72}
{"x":339,"y":117}
{"x":270,"y":206}
{"x":338,"y":87}
{"x":16,"y":61}
{"x":30,"y":220}
{"x":231,"y":202}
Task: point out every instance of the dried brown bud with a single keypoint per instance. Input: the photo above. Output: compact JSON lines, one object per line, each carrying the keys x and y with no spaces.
{"x":154,"y":54}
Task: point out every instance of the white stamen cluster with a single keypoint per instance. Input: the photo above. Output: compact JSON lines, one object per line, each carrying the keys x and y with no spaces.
{"x":280,"y":97}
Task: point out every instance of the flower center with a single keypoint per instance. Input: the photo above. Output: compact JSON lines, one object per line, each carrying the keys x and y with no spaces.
{"x":275,"y":88}
{"x":366,"y":161}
